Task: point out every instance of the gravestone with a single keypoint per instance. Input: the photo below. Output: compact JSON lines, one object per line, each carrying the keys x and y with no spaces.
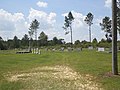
{"x":79,"y":49}
{"x":69,"y":49}
{"x":32,"y":50}
{"x":101,"y":49}
{"x":53,"y":49}
{"x":62,"y":49}
{"x":90,"y":47}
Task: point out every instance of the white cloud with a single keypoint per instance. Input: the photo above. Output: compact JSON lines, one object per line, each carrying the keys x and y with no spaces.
{"x":17,"y":24}
{"x":47,"y":21}
{"x":12,"y":24}
{"x":98,"y":21}
{"x":108,"y":3}
{"x":42,"y":4}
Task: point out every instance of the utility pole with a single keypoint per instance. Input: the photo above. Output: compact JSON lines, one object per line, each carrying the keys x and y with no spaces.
{"x":114,"y":38}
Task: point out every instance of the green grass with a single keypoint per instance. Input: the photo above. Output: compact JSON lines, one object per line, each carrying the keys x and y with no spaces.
{"x":97,"y":64}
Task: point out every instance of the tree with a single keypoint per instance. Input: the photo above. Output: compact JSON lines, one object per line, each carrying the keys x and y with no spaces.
{"x":55,"y":41}
{"x":94,"y":40}
{"x":68,"y":24}
{"x":1,"y":38}
{"x":25,"y":40}
{"x":33,"y":28}
{"x":88,"y":20}
{"x":43,"y":39}
{"x":77,"y":42}
{"x":106,"y":27}
{"x":1,"y":44}
{"x":94,"y":43}
{"x":61,"y":41}
{"x":16,"y":42}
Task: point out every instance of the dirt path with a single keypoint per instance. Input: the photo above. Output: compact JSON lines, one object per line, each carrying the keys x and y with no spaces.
{"x":54,"y":78}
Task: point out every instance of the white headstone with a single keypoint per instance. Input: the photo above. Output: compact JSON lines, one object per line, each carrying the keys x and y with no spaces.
{"x":79,"y":49}
{"x":90,"y":47}
{"x":100,"y":49}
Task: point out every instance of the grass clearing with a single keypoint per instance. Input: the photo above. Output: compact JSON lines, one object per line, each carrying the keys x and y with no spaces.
{"x":57,"y":71}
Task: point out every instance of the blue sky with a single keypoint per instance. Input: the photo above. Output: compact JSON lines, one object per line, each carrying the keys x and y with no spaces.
{"x":16,"y":15}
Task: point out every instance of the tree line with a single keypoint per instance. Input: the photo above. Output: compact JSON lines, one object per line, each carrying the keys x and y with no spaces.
{"x":43,"y":41}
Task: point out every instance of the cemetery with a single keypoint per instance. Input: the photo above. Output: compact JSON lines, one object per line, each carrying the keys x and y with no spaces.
{"x":54,"y":45}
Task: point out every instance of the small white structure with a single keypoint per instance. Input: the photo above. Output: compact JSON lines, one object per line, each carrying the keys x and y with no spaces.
{"x":39,"y":52}
{"x":79,"y":49}
{"x":62,"y":49}
{"x":90,"y":48}
{"x":36,"y":51}
{"x":53,"y":49}
{"x":101,"y":49}
{"x":69,"y":49}
{"x":32,"y":50}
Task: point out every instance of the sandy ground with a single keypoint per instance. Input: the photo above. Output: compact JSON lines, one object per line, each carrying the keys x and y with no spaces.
{"x":63,"y":77}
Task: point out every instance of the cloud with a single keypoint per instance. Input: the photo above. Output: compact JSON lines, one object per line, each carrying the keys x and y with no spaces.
{"x":46,"y":21}
{"x":108,"y":3}
{"x":42,"y":4}
{"x":17,"y":24}
{"x":12,"y":24}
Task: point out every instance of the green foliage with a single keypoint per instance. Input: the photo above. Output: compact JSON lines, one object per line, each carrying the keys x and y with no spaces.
{"x":1,"y":44}
{"x":16,"y":42}
{"x":25,"y":41}
{"x":34,"y":25}
{"x":43,"y":39}
{"x":68,"y":20}
{"x":94,"y":40}
{"x":89,"y":18}
{"x":77,"y":43}
{"x":94,"y":43}
{"x":55,"y":40}
{"x":104,"y":43}
{"x":106,"y":26}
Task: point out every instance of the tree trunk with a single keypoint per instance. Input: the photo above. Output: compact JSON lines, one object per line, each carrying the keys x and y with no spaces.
{"x":114,"y":38}
{"x":30,"y":44}
{"x":71,"y":35}
{"x":36,"y":37}
{"x":90,"y":33}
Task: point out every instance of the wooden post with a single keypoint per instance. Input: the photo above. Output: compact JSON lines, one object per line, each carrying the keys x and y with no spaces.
{"x":114,"y":38}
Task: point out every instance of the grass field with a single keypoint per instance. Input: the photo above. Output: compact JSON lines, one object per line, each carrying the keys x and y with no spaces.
{"x":85,"y":70}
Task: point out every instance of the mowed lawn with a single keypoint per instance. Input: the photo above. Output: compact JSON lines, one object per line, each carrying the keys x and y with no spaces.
{"x":85,"y":70}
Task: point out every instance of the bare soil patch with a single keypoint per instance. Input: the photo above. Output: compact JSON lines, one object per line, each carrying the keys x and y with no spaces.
{"x":55,"y":78}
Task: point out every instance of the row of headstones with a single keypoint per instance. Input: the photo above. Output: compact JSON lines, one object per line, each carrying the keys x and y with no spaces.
{"x":36,"y":51}
{"x":63,"y":49}
{"x":102,"y":49}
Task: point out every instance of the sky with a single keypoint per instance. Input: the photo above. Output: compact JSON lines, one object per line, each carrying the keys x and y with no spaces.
{"x":16,"y":16}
